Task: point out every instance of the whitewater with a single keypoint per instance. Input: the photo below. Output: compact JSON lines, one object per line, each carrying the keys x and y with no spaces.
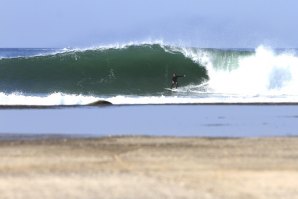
{"x":138,"y":73}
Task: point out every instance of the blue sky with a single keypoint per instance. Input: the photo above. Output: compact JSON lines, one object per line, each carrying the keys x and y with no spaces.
{"x":202,"y":23}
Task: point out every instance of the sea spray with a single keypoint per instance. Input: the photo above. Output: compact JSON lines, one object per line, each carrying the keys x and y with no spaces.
{"x":262,"y":73}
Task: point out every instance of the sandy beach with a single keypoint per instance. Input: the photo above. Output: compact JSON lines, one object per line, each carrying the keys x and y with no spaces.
{"x":149,"y":167}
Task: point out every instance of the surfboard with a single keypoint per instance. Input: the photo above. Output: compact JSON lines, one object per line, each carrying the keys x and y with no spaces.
{"x":172,"y":89}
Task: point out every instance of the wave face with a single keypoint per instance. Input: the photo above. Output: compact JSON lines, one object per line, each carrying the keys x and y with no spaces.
{"x":138,"y":74}
{"x":129,"y":70}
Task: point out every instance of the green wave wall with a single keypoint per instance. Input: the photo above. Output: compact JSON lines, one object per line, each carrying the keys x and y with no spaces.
{"x":136,"y":69}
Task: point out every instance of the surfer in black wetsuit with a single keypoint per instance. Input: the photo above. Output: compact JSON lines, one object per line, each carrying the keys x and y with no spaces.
{"x":175,"y":80}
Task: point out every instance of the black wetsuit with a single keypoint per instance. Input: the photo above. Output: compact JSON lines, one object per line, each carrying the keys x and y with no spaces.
{"x":175,"y":80}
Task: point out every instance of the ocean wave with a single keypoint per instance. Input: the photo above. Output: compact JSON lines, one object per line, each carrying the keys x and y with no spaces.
{"x":135,"y":69}
{"x":144,"y":69}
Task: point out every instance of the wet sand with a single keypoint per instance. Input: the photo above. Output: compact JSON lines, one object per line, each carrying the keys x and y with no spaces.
{"x":148,"y":167}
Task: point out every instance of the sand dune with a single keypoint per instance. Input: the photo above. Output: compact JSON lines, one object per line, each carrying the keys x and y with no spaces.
{"x":149,"y":167}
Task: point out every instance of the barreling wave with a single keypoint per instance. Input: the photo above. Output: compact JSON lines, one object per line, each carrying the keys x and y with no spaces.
{"x":130,"y":70}
{"x":138,"y":74}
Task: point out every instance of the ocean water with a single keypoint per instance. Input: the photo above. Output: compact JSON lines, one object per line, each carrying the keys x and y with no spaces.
{"x":153,"y":120}
{"x":138,"y":73}
{"x":134,"y":77}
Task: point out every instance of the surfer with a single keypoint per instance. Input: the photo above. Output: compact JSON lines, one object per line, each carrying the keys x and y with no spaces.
{"x":175,"y":80}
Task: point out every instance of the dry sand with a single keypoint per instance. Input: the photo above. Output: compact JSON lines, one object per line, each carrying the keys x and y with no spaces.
{"x":149,"y":167}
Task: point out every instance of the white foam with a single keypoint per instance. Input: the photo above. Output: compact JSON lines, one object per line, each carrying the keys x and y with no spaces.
{"x":262,"y":73}
{"x":192,"y":96}
{"x":212,"y":98}
{"x":52,"y":99}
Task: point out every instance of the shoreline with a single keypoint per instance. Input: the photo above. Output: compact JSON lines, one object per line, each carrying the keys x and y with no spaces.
{"x":149,"y":167}
{"x":56,"y":136}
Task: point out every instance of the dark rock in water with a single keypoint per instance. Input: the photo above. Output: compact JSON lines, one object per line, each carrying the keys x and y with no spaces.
{"x":99,"y":102}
